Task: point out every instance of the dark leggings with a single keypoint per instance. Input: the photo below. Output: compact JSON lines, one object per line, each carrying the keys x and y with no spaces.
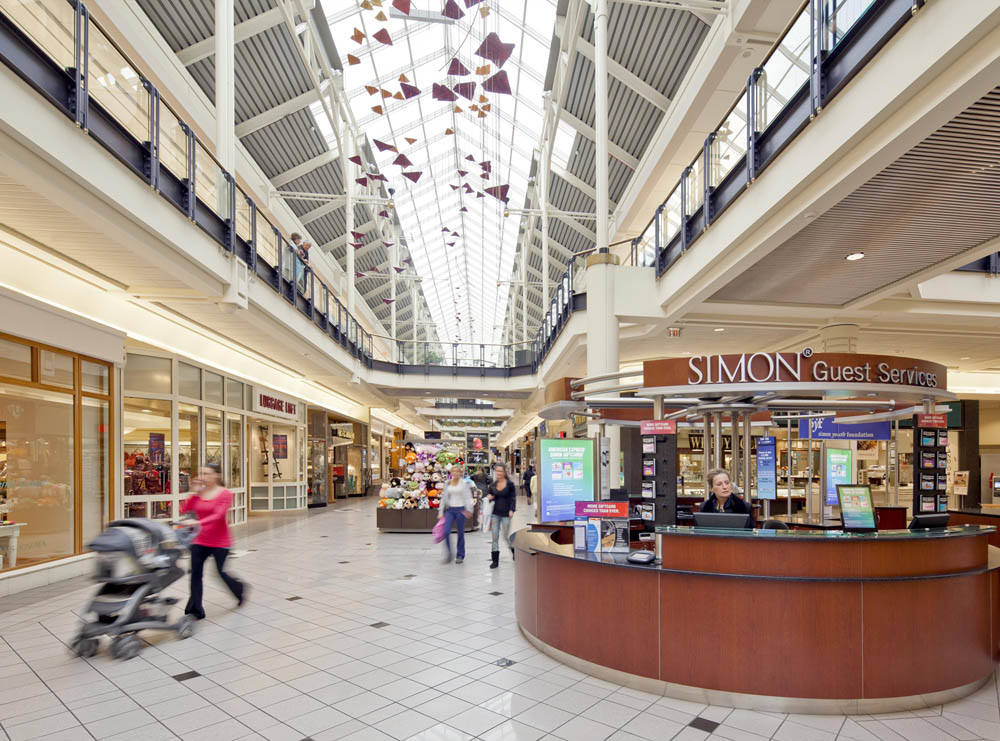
{"x":200,"y":554}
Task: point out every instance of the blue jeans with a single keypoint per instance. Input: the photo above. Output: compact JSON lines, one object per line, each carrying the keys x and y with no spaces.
{"x":496,"y":522}
{"x":454,"y":515}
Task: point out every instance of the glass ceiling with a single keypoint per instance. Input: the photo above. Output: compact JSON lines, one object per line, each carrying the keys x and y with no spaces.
{"x":460,"y":267}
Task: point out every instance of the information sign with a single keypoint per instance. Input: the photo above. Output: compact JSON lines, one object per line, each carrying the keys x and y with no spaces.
{"x":566,"y":475}
{"x":658,"y":427}
{"x":939,"y":421}
{"x":767,"y":470}
{"x":838,"y":471}
{"x":826,"y":428}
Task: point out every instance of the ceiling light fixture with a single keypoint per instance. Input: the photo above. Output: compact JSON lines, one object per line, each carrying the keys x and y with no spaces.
{"x":965,"y":357}
{"x":720,"y":329}
{"x":854,"y":256}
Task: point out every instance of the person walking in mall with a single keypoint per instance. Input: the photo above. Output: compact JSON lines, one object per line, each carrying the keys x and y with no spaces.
{"x":210,"y":502}
{"x":503,"y":494}
{"x":456,"y":505}
{"x":526,"y":478}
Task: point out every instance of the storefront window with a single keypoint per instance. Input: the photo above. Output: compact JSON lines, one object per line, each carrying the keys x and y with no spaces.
{"x":94,"y":377}
{"x":213,"y":388}
{"x":15,"y":360}
{"x":188,"y":445}
{"x":148,"y":451}
{"x":189,"y":381}
{"x":55,"y":369}
{"x":213,"y":437}
{"x":147,"y":374}
{"x":94,"y":445}
{"x":234,"y":394}
{"x":37,"y":498}
{"x":234,"y":434}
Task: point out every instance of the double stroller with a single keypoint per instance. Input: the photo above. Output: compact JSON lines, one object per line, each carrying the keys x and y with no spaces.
{"x":136,"y":560}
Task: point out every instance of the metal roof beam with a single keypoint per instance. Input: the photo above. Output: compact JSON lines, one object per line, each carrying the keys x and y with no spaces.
{"x":294,"y":173}
{"x":626,"y":77}
{"x":588,"y":131}
{"x":575,"y":226}
{"x":241,"y":32}
{"x":342,"y":239}
{"x":273,"y":115}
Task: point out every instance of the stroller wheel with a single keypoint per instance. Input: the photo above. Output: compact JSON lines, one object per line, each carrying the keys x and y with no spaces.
{"x":185,"y":627}
{"x":85,"y":647}
{"x":125,"y":647}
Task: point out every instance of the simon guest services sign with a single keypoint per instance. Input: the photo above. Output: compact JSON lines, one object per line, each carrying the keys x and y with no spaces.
{"x":802,"y":367}
{"x":274,"y":404}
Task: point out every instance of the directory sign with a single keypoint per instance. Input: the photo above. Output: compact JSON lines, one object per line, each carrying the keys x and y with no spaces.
{"x":838,"y":472}
{"x":767,"y":469}
{"x":566,"y":473}
{"x":856,"y":508}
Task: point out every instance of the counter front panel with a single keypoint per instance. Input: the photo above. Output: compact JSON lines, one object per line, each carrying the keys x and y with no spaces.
{"x":897,"y":619}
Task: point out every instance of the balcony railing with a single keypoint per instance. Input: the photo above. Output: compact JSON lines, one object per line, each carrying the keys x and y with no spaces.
{"x":826,"y":44}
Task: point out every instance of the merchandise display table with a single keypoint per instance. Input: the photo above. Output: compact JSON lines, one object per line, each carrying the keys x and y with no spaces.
{"x":416,"y":520}
{"x":788,"y":621}
{"x":9,"y":531}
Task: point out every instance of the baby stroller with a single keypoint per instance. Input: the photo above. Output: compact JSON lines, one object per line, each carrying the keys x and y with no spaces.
{"x":136,"y":560}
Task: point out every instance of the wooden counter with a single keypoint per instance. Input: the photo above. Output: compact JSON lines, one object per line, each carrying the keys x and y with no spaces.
{"x":780,"y":620}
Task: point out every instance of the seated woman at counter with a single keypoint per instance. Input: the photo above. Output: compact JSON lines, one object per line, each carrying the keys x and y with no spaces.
{"x":721,"y":497}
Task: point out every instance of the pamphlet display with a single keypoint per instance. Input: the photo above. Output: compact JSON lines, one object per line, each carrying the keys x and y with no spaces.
{"x":566,"y":476}
{"x":659,"y":470}
{"x":930,"y":451}
{"x":601,"y":527}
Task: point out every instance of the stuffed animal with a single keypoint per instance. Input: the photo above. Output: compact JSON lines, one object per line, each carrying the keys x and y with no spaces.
{"x":409,"y":504}
{"x":399,"y":504}
{"x":424,"y":503}
{"x":435,"y":503}
{"x":436,"y":477}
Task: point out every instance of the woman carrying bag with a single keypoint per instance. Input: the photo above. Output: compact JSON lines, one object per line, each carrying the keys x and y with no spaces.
{"x":456,"y":505}
{"x":503,"y":494}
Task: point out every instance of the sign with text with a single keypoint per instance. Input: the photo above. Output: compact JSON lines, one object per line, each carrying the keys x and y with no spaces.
{"x":767,"y":468}
{"x":696,"y":443}
{"x":807,"y":366}
{"x":938,"y":421}
{"x":827,"y":428}
{"x":273,"y":403}
{"x":838,"y":471}
{"x":565,"y":475}
{"x":658,"y":427}
{"x":157,"y":442}
{"x":601,"y":509}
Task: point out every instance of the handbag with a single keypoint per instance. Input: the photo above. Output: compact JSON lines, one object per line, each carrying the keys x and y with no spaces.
{"x":438,"y":531}
{"x":487,"y":513}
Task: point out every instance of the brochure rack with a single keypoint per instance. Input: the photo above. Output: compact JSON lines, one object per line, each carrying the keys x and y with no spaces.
{"x":930,"y":462}
{"x":659,"y":478}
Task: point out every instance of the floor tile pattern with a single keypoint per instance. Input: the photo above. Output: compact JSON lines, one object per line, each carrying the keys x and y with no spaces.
{"x":350,"y":634}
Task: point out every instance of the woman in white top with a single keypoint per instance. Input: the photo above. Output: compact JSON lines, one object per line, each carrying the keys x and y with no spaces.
{"x":456,"y":505}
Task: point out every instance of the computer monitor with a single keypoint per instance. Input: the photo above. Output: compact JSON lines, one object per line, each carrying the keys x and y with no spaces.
{"x":856,"y":510}
{"x":929,"y":522}
{"x":731,"y":520}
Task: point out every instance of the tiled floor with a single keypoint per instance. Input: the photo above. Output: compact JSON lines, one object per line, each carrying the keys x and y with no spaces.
{"x":315,"y":667}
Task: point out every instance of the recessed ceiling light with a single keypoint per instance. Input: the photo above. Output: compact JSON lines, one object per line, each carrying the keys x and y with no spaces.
{"x":720,"y":329}
{"x":965,"y":357}
{"x":854,"y":256}
{"x":685,"y":353}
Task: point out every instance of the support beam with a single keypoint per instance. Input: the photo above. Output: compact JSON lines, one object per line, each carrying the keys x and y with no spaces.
{"x":314,"y":163}
{"x":602,"y":133}
{"x":588,"y":131}
{"x":225,"y":87}
{"x":581,"y":185}
{"x":626,"y":77}
{"x":578,"y":228}
{"x":320,"y":211}
{"x":273,"y":115}
{"x":242,"y":31}
{"x":342,"y":239}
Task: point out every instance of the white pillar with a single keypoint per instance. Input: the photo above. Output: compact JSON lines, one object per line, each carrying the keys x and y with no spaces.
{"x":416,"y":314}
{"x":225,"y":83}
{"x":602,"y":334}
{"x":393,"y":259}
{"x":347,"y":137}
{"x":839,"y":338}
{"x":525,"y":254}
{"x":543,"y":202}
{"x":601,"y":118}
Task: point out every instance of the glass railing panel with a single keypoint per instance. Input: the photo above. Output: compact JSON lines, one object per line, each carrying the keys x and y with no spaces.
{"x":49,"y":24}
{"x":731,"y":141}
{"x":695,"y":186}
{"x":786,"y":70}
{"x":670,"y":217}
{"x":244,"y":215}
{"x":173,"y":143}
{"x":267,"y":242}
{"x":116,"y":85}
{"x":840,"y":18}
{"x":211,"y":186}
{"x":287,"y":261}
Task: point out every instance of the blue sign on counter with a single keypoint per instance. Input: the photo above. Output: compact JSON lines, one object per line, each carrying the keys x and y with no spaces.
{"x":827,"y":428}
{"x":767,"y":470}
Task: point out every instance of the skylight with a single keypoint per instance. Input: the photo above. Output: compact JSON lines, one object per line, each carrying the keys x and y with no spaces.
{"x":460,"y":266}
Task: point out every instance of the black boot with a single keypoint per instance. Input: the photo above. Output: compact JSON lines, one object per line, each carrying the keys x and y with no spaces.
{"x":496,"y":559}
{"x":511,"y":554}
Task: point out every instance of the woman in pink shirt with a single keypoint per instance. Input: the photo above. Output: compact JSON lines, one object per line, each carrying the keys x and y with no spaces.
{"x":210,"y":502}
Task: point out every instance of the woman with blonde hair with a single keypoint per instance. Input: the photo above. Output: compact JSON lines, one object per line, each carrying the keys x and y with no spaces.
{"x":456,"y":505}
{"x":721,"y":497}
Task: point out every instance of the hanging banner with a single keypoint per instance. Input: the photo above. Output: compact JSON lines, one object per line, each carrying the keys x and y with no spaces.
{"x":767,"y":468}
{"x":827,"y":428}
{"x":156,"y":447}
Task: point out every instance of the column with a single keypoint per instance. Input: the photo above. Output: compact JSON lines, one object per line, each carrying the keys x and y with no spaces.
{"x":602,"y":337}
{"x":415,"y":317}
{"x":393,"y":253}
{"x":225,"y":82}
{"x":543,"y":202}
{"x":601,"y":118}
{"x":839,"y":338}
{"x":525,"y":255}
{"x":347,"y":166}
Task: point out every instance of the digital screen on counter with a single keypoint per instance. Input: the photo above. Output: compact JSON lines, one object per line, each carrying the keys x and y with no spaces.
{"x":856,"y":508}
{"x":566,"y":472}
